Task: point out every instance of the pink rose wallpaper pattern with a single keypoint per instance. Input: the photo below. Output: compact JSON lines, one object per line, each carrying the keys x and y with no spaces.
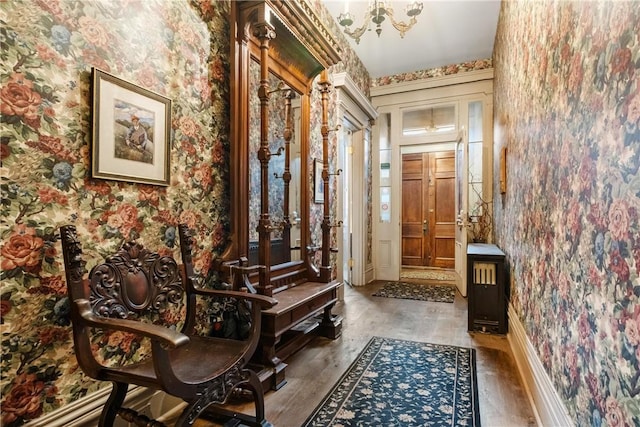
{"x":48,"y":51}
{"x":567,"y":97}
{"x":179,"y":49}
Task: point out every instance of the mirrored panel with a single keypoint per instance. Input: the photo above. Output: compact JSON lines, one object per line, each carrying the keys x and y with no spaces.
{"x":284,"y":168}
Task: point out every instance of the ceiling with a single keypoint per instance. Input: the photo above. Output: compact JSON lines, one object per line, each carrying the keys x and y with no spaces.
{"x":447,"y":32}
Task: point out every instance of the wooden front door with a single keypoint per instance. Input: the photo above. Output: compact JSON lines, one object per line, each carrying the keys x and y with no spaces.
{"x":428,"y":209}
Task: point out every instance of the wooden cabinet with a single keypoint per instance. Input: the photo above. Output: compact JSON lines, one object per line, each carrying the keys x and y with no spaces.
{"x":487,"y":291}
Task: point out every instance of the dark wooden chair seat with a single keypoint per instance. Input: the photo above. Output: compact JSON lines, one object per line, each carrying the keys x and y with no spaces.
{"x":133,"y":283}
{"x":187,"y":361}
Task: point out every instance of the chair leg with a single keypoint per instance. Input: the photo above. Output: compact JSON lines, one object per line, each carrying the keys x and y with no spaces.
{"x":189,"y":414}
{"x":258,"y":397}
{"x":113,"y":404}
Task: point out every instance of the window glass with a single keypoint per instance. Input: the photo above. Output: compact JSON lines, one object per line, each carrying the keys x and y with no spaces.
{"x":385,"y":168}
{"x":385,"y":204}
{"x":429,"y":120}
{"x":475,"y":159}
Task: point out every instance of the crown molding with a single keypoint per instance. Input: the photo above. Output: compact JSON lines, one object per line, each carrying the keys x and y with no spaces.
{"x":433,"y":82}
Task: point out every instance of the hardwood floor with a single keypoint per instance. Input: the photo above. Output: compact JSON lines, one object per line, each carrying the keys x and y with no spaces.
{"x":314,"y":369}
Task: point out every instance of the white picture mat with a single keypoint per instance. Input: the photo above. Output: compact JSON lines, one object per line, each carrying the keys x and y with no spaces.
{"x":109,"y":164}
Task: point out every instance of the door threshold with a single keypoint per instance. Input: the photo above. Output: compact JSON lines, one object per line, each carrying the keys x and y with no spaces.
{"x":420,"y":267}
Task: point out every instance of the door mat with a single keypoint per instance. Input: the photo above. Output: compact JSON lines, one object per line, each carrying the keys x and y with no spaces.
{"x":430,"y":292}
{"x":396,"y":382}
{"x":441,"y":275}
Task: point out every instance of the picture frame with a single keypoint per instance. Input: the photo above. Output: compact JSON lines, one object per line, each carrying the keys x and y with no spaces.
{"x":131,"y":132}
{"x":318,"y":182}
{"x":503,"y":170}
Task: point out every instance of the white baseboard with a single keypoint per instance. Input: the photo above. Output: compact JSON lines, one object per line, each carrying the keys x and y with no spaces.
{"x":547,"y":405}
{"x":85,"y":411}
{"x":369,"y":274}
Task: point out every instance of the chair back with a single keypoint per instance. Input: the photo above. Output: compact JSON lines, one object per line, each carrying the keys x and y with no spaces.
{"x":132,"y":282}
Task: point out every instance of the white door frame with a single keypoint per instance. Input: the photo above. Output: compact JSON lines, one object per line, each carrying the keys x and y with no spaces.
{"x":356,"y":115}
{"x":462,"y":210}
{"x":348,"y":188}
{"x":391,"y":101}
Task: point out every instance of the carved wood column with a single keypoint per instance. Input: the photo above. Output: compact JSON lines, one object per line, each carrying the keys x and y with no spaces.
{"x":325,"y":265}
{"x":264,"y":32}
{"x":286,"y":175}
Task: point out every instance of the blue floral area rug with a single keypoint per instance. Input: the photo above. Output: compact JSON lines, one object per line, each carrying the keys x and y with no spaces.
{"x":404,"y":383}
{"x":430,"y":292}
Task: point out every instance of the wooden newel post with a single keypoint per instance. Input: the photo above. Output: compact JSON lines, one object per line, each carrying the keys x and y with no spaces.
{"x":325,"y":265}
{"x":264,"y":32}
{"x":286,"y":175}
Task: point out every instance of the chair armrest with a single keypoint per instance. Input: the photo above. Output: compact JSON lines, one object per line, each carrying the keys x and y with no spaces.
{"x":247,"y":268}
{"x":242,"y":273}
{"x":165,"y":335}
{"x":264,"y":301}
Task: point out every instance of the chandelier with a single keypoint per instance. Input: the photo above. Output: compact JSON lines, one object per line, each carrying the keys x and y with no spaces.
{"x":377,"y":11}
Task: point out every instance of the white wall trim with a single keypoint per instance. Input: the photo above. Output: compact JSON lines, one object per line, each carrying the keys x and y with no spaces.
{"x":369,"y":274}
{"x":346,"y":83}
{"x":547,"y":405}
{"x":86,"y":410}
{"x":356,"y":114}
{"x":431,"y":82}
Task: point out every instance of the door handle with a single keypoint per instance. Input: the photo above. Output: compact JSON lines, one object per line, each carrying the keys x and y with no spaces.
{"x":425,"y":227}
{"x":460,"y":220}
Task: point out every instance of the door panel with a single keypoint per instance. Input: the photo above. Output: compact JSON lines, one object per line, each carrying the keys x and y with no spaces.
{"x":445,"y":210}
{"x":413,"y":210}
{"x":428,"y":209}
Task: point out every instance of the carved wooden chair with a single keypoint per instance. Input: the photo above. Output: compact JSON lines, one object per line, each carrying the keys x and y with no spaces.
{"x":134,"y":282}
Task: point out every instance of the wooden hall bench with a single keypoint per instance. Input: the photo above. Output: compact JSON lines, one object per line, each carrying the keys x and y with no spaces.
{"x":302,"y":312}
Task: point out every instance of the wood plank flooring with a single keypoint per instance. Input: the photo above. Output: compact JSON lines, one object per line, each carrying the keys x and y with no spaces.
{"x":317,"y":367}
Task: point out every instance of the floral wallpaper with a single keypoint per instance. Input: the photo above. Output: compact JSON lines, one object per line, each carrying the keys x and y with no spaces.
{"x":178,"y":49}
{"x":478,"y":64}
{"x":567,"y":108}
{"x":48,"y":47}
{"x":368,"y":166}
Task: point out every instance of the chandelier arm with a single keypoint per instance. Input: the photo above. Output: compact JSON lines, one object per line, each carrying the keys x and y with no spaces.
{"x":402,"y":27}
{"x":376,"y":13}
{"x":358,"y":32}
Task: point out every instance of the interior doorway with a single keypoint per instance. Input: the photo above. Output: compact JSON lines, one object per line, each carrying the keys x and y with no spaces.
{"x":428,"y":209}
{"x":346,"y":156}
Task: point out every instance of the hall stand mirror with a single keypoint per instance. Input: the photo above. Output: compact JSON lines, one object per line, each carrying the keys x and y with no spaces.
{"x":281,"y":141}
{"x":278,"y":48}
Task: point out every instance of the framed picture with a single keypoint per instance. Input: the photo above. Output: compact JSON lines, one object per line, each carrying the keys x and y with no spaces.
{"x":503,"y":170}
{"x":131,"y":132}
{"x":318,"y":182}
